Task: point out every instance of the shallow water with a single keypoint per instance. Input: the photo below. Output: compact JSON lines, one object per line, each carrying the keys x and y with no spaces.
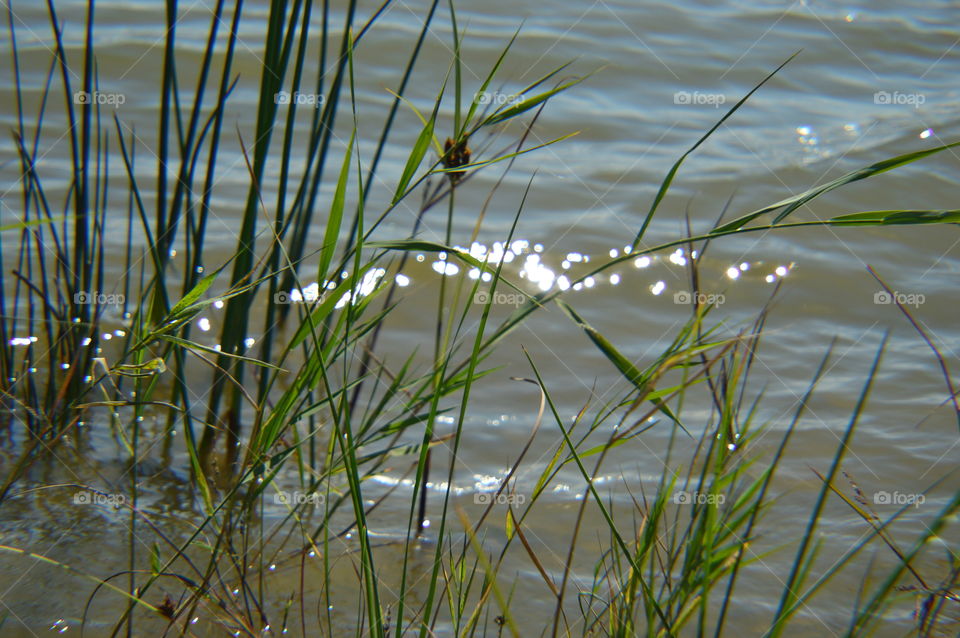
{"x":874,"y":79}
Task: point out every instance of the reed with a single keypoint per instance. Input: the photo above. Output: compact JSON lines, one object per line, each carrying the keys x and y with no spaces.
{"x":302,"y":393}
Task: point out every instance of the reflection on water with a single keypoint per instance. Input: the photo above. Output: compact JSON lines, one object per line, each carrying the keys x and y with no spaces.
{"x":542,"y":271}
{"x":522,"y":261}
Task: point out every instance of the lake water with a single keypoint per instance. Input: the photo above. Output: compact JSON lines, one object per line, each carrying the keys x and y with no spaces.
{"x":873,"y":79}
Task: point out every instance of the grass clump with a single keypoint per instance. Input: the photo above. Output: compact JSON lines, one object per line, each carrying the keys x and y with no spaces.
{"x":301,"y":407}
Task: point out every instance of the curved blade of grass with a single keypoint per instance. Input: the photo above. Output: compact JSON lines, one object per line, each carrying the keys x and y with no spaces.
{"x":195,"y":293}
{"x":457,"y":67}
{"x":491,"y":574}
{"x":419,"y":151}
{"x":486,"y":82}
{"x":941,"y":361}
{"x":598,"y":500}
{"x":76,"y":572}
{"x":508,"y":156}
{"x":795,"y":202}
{"x":193,"y":345}
{"x":543,"y":299}
{"x":632,"y":373}
{"x":794,"y":581}
{"x":335,"y":218}
{"x":768,"y":477}
{"x":34,"y":222}
{"x":871,"y":610}
{"x":668,"y":180}
{"x":889,"y":217}
{"x":529,"y":103}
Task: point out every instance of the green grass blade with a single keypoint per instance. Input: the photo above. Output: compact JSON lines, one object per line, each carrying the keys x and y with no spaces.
{"x":419,"y":150}
{"x":795,"y":202}
{"x":668,"y":180}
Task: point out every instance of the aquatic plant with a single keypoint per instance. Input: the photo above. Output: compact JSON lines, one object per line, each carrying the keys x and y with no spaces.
{"x":306,"y":399}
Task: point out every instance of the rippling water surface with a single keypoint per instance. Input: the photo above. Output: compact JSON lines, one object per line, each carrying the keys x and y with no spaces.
{"x":872,"y":79}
